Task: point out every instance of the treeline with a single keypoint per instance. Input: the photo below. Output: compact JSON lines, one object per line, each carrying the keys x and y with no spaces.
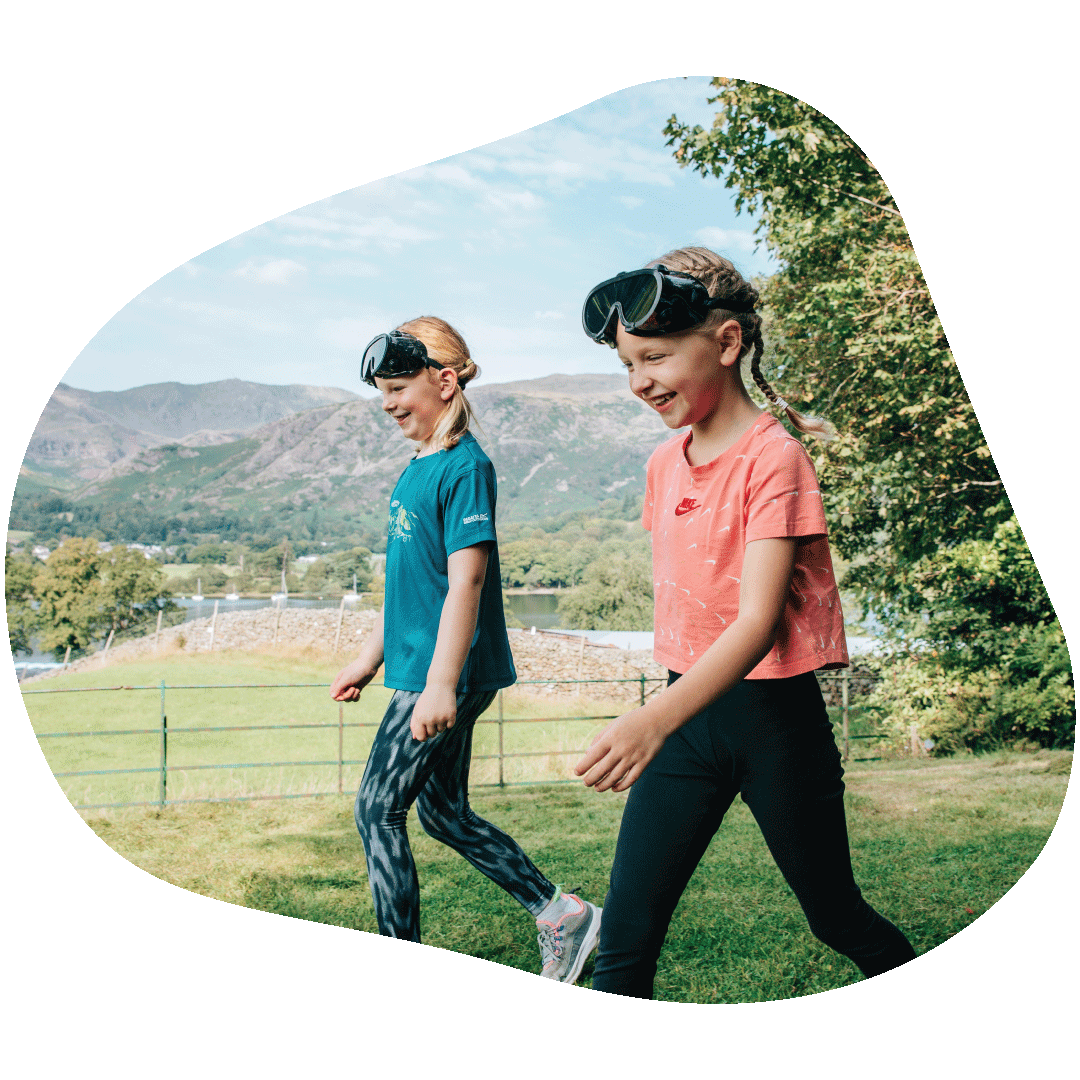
{"x":52,"y":518}
{"x":603,"y":559}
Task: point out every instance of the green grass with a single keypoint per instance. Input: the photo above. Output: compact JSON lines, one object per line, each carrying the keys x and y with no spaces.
{"x":930,"y":840}
{"x":552,"y":746}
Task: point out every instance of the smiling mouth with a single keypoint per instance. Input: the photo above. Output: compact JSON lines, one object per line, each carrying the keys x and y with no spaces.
{"x":660,"y":402}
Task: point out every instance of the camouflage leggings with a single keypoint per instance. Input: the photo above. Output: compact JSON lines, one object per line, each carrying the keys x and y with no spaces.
{"x":435,"y":775}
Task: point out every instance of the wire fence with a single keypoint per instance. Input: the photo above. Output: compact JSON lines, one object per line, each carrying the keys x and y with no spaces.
{"x":169,"y":738}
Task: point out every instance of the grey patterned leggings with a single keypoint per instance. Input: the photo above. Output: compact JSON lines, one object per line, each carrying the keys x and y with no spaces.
{"x":435,"y":775}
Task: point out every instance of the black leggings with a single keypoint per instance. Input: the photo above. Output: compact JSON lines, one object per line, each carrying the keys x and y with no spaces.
{"x":771,"y":741}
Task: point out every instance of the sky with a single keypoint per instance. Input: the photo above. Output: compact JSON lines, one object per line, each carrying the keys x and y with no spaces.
{"x":503,"y":241}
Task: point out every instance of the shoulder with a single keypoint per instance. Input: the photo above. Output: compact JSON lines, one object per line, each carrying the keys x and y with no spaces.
{"x":775,"y":449}
{"x":667,"y":453}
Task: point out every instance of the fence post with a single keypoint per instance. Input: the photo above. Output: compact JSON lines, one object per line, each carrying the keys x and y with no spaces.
{"x":213,"y":626}
{"x":163,"y":785}
{"x":108,"y":643}
{"x":157,"y":632}
{"x":340,"y":745}
{"x":844,"y":679}
{"x":501,"y":781}
{"x":643,"y":689}
{"x":67,"y":657}
{"x":340,"y":619}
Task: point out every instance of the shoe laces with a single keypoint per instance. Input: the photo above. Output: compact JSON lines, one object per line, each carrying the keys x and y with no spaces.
{"x":550,"y":941}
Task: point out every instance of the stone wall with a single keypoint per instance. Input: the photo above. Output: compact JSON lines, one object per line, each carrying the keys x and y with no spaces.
{"x":546,"y":662}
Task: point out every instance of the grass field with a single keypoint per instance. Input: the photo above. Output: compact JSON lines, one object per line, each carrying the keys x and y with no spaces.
{"x":198,"y":760}
{"x":935,"y":842}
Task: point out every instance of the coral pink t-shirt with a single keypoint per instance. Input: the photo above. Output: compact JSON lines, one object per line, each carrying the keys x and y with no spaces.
{"x":702,"y":517}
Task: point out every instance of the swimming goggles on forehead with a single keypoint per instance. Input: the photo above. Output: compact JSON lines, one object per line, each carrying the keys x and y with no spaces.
{"x":392,"y":355}
{"x":650,"y":303}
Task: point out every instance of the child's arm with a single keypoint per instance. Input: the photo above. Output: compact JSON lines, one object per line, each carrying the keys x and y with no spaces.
{"x":353,"y":678}
{"x":622,"y":750}
{"x":436,"y":710}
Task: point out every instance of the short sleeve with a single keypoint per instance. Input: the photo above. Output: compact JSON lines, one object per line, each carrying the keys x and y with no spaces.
{"x":468,"y":505}
{"x":782,"y":496}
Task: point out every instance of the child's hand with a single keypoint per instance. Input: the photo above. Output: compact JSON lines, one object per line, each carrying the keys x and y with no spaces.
{"x":350,"y":681}
{"x":434,"y":711}
{"x":619,"y":754}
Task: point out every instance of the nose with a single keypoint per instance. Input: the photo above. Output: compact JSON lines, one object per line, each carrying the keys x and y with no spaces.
{"x":387,"y":405}
{"x":639,"y":381}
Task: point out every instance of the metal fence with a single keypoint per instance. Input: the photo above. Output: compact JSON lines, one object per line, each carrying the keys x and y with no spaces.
{"x":645,"y":688}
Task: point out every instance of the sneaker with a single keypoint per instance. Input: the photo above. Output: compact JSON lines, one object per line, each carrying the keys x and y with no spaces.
{"x":569,"y":930}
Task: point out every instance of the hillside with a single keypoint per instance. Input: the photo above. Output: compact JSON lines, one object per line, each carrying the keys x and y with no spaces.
{"x":83,"y":432}
{"x":558,"y":443}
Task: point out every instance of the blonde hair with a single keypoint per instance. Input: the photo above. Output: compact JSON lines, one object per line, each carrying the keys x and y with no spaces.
{"x":723,"y":281}
{"x":447,"y":346}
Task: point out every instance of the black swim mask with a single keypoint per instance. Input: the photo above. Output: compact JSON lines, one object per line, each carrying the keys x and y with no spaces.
{"x":650,"y":303}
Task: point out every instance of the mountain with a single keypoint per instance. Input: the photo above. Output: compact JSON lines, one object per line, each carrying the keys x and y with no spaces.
{"x":82,"y":432}
{"x":558,"y":443}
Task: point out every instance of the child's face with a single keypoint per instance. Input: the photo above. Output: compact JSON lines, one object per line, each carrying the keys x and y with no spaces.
{"x":681,"y":376}
{"x":414,"y":402}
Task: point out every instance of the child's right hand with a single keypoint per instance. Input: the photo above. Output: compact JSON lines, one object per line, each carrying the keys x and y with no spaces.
{"x":350,"y":681}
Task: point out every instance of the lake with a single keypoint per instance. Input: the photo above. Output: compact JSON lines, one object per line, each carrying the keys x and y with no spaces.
{"x":535,"y":609}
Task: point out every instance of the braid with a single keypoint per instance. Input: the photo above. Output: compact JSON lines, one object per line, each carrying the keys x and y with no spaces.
{"x":723,"y":281}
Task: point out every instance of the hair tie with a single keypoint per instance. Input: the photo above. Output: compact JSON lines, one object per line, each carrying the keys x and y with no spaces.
{"x":780,"y":403}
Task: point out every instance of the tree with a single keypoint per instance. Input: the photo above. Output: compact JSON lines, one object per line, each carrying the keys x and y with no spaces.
{"x":910,"y":488}
{"x":19,"y":597}
{"x":617,"y":594}
{"x":69,"y":588}
{"x":85,"y":593}
{"x":855,"y":333}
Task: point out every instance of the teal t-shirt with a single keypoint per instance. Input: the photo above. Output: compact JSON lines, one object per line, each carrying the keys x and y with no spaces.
{"x":442,"y":503}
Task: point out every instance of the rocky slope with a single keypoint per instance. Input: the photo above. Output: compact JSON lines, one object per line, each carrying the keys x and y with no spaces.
{"x":558,"y":443}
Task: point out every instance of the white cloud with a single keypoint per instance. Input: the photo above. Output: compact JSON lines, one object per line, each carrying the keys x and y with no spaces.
{"x":550,"y":315}
{"x":629,"y":201}
{"x":275,"y":272}
{"x":350,"y":268}
{"x":257,"y":321}
{"x":455,"y":286}
{"x":351,"y":334}
{"x":338,"y":229}
{"x":726,"y":239}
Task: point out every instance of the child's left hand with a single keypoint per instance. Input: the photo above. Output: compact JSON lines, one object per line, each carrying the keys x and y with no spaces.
{"x":435,"y":711}
{"x":619,"y":754}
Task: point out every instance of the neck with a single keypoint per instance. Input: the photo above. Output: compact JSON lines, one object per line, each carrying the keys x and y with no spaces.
{"x":723,"y":427}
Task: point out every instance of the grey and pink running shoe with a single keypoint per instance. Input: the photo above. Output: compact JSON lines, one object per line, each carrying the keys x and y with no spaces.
{"x":569,"y":930}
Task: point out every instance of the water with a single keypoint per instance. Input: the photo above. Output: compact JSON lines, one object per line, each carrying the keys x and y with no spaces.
{"x":536,"y":609}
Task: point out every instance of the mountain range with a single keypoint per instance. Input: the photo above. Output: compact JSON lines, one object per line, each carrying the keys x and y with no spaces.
{"x":321,"y":460}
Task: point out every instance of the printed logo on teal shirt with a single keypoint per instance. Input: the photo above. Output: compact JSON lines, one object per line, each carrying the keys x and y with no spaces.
{"x":400,"y":529}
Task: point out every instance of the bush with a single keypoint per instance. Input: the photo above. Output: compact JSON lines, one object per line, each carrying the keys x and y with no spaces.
{"x":980,"y":709}
{"x":617,"y":594}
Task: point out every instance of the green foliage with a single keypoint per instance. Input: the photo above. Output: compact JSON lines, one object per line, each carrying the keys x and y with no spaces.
{"x":985,"y":664}
{"x":911,"y":492}
{"x":208,"y":553}
{"x":616,"y":594}
{"x":19,"y":596}
{"x":856,"y":334}
{"x":85,"y":593}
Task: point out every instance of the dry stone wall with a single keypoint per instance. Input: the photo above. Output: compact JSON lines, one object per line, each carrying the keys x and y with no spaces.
{"x":549,"y":665}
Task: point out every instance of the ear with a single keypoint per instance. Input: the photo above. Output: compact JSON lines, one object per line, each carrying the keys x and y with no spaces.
{"x":448,"y":381}
{"x":729,"y":340}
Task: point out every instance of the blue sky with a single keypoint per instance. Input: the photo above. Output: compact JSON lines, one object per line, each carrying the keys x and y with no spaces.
{"x":504,"y":241}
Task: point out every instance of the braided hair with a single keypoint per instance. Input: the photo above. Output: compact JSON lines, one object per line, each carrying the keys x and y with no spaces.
{"x":723,"y":281}
{"x":447,"y":346}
